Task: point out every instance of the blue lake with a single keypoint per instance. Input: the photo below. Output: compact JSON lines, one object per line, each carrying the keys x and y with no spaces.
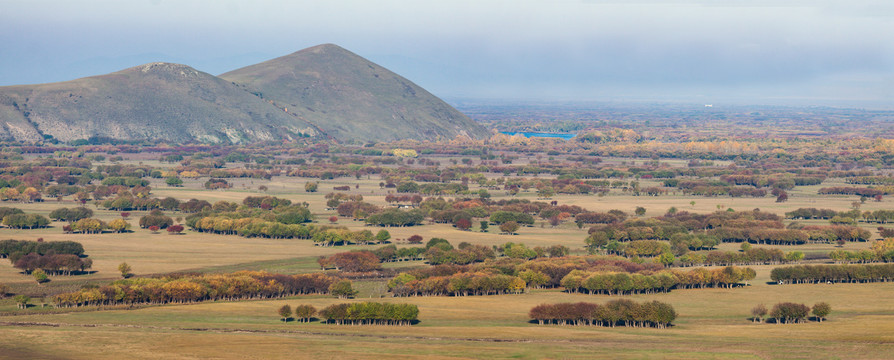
{"x":540,"y":134}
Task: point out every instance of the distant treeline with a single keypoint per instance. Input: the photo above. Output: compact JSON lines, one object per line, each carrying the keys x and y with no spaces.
{"x":832,"y":274}
{"x":188,"y":288}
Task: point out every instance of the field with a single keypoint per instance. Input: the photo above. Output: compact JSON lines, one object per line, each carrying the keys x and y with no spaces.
{"x":712,"y":323}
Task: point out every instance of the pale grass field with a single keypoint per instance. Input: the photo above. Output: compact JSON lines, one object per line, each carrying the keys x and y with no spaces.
{"x":712,"y":323}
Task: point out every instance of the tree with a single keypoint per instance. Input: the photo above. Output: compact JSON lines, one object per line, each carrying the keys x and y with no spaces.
{"x":40,"y":276}
{"x":758,"y":313}
{"x":4,"y":289}
{"x":463,"y":224}
{"x":509,"y":227}
{"x":125,"y":270}
{"x":310,"y":186}
{"x":745,"y":246}
{"x":119,"y":225}
{"x":304,"y":313}
{"x":783,"y":197}
{"x":285,"y":312}
{"x":484,"y":225}
{"x":415,"y":239}
{"x":640,"y":211}
{"x":383,"y":236}
{"x":333,"y":219}
{"x":21,"y":301}
{"x":175,"y":229}
{"x":174,"y":181}
{"x":666,"y":258}
{"x":153,"y":229}
{"x":342,"y":289}
{"x":820,"y":310}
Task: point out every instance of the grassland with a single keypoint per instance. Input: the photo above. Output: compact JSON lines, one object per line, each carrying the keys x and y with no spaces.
{"x":712,"y":323}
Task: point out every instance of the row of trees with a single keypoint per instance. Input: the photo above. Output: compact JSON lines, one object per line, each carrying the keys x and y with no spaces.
{"x":370,"y":313}
{"x":53,"y":264}
{"x":14,"y":248}
{"x":751,"y":256}
{"x":622,"y":283}
{"x":188,"y":288}
{"x":25,"y":221}
{"x":615,"y":312}
{"x":817,"y":274}
{"x":788,"y":312}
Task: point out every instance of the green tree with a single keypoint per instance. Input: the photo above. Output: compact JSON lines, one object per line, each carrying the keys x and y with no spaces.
{"x":40,"y":276}
{"x":285,"y":312}
{"x":666,"y":258}
{"x":125,"y":270}
{"x":745,"y":246}
{"x":383,"y":236}
{"x":174,"y":181}
{"x":342,"y":289}
{"x":821,"y":310}
{"x":640,"y":211}
{"x":484,"y":225}
{"x":21,"y":301}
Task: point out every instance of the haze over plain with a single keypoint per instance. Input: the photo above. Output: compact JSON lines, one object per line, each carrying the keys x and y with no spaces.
{"x":761,"y":52}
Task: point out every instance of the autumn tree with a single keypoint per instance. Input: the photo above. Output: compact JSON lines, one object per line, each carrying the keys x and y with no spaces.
{"x":175,"y":229}
{"x":125,"y":270}
{"x":285,"y":312}
{"x":310,"y":186}
{"x":463,"y":224}
{"x":758,"y":313}
{"x":119,"y":225}
{"x":509,"y":227}
{"x":304,"y":313}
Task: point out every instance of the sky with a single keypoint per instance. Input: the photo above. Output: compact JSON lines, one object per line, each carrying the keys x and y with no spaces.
{"x":810,"y":52}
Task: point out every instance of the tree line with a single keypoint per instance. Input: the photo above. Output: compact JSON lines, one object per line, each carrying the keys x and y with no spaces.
{"x":817,"y":274}
{"x":622,"y":283}
{"x":615,"y":312}
{"x":789,"y":312}
{"x":370,"y":313}
{"x":189,"y":288}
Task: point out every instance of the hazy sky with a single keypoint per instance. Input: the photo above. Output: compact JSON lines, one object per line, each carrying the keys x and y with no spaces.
{"x":774,"y":51}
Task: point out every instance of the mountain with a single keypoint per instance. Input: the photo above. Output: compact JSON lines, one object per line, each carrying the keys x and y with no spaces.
{"x":350,"y":98}
{"x":323,"y":91}
{"x":157,"y":101}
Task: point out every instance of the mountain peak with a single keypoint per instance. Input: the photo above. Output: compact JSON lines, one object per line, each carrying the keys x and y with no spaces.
{"x":351,"y":98}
